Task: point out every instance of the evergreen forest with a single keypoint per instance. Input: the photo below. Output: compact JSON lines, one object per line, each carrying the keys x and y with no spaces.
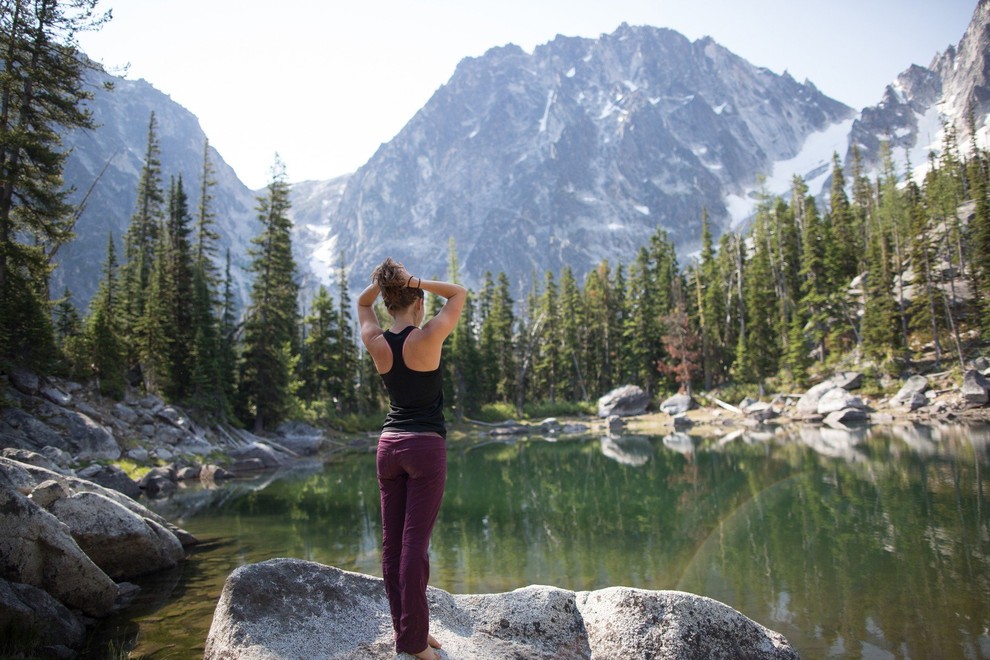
{"x":884,"y":273}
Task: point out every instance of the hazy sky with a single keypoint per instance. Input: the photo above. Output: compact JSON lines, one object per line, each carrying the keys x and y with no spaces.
{"x":325,"y":83}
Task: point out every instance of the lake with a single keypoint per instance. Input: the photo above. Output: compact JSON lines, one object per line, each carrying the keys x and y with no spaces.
{"x":869,"y":543}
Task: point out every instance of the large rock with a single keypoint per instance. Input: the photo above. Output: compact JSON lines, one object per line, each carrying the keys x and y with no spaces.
{"x":846,"y":416}
{"x":677,"y":404}
{"x":30,"y":457}
{"x":975,"y":388}
{"x":27,"y":477}
{"x":290,"y":608}
{"x":808,"y":403}
{"x":624,"y":401}
{"x":21,"y":429}
{"x":88,"y":439}
{"x":41,"y":620}
{"x":837,"y":399}
{"x":632,"y":623}
{"x":848,"y":380}
{"x":26,"y":382}
{"x":916,"y":384}
{"x":118,"y":540}
{"x":36,"y":549}
{"x":111,"y":476}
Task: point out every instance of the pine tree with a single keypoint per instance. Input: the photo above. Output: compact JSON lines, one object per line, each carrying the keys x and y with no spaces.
{"x":943,"y":194}
{"x":846,"y":252}
{"x":573,"y":325}
{"x":141,"y":242}
{"x":486,"y":343}
{"x":597,"y":349}
{"x":103,"y":346}
{"x":496,"y":341}
{"x":206,"y":234}
{"x":863,"y":201}
{"x":154,"y":331}
{"x":617,"y":313}
{"x":814,"y":306}
{"x":784,"y":251}
{"x":758,"y":351}
{"x":41,"y":96}
{"x":266,"y":375}
{"x":320,"y":349}
{"x":681,"y":345}
{"x":711,"y":308}
{"x":206,"y":380}
{"x":227,"y":339}
{"x":68,"y":325}
{"x":978,"y":171}
{"x":211,"y":357}
{"x":730,"y":273}
{"x":463,"y":362}
{"x":67,"y":321}
{"x":547,"y":364}
{"x":180,"y":265}
{"x":893,"y":221}
{"x":923,"y":314}
{"x":879,"y":326}
{"x":344,"y":379}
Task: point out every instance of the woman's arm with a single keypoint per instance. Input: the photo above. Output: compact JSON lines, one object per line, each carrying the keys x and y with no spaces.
{"x":440,"y":326}
{"x":367,"y":318}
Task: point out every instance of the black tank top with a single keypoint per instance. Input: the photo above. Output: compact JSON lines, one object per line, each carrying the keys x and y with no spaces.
{"x":415,"y":397}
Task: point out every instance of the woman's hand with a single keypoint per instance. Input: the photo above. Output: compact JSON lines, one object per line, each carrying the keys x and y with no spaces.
{"x":402,"y":276}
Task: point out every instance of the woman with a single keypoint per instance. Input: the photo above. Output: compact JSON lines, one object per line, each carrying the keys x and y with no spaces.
{"x":412,"y":453}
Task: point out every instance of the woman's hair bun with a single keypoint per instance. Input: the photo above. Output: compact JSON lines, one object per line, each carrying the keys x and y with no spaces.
{"x":391,"y":280}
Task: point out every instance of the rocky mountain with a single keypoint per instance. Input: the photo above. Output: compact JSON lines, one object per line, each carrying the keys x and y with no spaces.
{"x":104,"y":167}
{"x":576,"y":153}
{"x":915,"y":107}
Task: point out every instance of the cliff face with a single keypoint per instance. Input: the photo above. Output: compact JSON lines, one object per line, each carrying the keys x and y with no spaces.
{"x":104,"y":167}
{"x":954,"y":90}
{"x":573,"y":154}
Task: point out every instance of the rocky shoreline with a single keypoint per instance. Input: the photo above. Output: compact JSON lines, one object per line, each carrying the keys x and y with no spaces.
{"x":72,"y":531}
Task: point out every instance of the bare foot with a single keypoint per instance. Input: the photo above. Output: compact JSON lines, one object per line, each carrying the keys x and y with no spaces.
{"x":432,"y":641}
{"x":427,"y":654}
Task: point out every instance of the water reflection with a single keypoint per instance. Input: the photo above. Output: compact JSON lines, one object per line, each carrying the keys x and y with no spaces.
{"x":629,"y":450}
{"x":861,"y":542}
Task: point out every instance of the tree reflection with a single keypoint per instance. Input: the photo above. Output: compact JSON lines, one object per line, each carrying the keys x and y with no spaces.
{"x":862,"y":541}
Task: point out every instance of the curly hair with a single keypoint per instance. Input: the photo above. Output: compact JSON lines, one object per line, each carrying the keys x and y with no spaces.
{"x":395,"y":293}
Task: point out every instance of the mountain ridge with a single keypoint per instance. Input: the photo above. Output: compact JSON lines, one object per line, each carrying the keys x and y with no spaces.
{"x":574,"y":154}
{"x":568,"y":155}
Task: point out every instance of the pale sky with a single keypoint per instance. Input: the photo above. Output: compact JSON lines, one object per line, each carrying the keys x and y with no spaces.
{"x":324,"y":83}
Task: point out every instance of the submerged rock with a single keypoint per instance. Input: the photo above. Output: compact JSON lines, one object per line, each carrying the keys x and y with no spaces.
{"x":290,"y":608}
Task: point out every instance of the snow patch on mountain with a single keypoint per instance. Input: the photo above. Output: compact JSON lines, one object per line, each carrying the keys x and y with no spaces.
{"x":813,"y":163}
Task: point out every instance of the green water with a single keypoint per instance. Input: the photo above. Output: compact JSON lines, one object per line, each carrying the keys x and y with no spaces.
{"x":872,"y":544}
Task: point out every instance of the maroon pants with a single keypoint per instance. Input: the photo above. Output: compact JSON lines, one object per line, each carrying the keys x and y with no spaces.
{"x":412,"y":469}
